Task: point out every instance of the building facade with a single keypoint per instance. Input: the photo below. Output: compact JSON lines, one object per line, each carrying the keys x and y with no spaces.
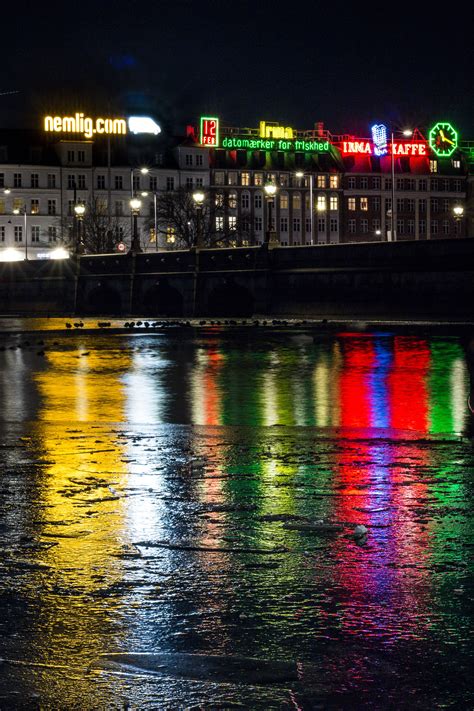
{"x":329,"y":189}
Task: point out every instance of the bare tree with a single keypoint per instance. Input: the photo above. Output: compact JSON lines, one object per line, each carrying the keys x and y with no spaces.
{"x":182,"y":224}
{"x":100,"y":232}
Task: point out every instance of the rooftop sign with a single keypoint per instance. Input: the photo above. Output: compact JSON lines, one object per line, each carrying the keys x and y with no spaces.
{"x":273,"y":144}
{"x":358,"y":146}
{"x":88,"y":127}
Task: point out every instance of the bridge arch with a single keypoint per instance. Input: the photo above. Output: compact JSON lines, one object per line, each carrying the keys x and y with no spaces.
{"x":103,"y":299}
{"x":230,"y":299}
{"x":162,"y":299}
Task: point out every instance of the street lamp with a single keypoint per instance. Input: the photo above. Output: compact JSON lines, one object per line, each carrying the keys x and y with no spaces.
{"x":393,"y":212}
{"x":79,"y":212}
{"x":300,"y":174}
{"x":135,"y":205}
{"x":270,"y":192}
{"x":458,"y":212}
{"x":198,"y":198}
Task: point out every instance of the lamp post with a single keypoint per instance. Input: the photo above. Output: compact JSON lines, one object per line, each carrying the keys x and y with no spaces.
{"x":458,"y":212}
{"x":135,"y":205}
{"x":270,"y":236}
{"x":393,"y":212}
{"x":300,"y":174}
{"x":79,"y":212}
{"x":198,"y":198}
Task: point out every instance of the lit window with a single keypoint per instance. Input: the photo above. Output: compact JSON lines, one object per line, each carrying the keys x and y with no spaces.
{"x":232,"y":178}
{"x":321,"y":203}
{"x":333,"y":181}
{"x":219,"y":178}
{"x":433,"y":166}
{"x":34,"y":207}
{"x":219,"y":223}
{"x":258,"y":179}
{"x":351,"y":203}
{"x":18,"y":204}
{"x":321,"y":181}
{"x":232,"y":200}
{"x":333,"y":202}
{"x":245,"y":179}
{"x":219,"y":199}
{"x":232,"y":222}
{"x":364,"y":203}
{"x":456,"y":163}
{"x":170,"y":235}
{"x":283,"y":201}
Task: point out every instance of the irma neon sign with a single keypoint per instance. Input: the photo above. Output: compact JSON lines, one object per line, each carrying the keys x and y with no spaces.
{"x":400,"y":148}
{"x":89,"y":127}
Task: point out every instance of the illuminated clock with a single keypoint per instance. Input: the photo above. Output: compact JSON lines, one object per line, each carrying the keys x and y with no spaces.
{"x":443,"y":139}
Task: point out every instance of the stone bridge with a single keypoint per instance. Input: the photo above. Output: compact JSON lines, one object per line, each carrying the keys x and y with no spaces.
{"x":404,"y":279}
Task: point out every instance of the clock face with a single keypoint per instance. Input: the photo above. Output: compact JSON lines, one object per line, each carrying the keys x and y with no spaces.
{"x":443,"y":139}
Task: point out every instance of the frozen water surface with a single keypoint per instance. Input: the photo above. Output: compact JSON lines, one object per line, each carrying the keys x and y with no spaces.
{"x":177,"y":515}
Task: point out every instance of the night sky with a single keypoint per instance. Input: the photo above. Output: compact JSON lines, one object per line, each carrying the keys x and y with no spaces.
{"x":292,"y":62}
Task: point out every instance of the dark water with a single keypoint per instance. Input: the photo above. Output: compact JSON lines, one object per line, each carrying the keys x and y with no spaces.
{"x":154,"y":493}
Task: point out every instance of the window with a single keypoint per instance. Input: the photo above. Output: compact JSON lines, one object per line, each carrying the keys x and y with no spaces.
{"x":101,"y":182}
{"x":52,"y":234}
{"x":18,"y":232}
{"x":51,"y":207}
{"x":118,"y":182}
{"x":17,"y":205}
{"x":258,"y":201}
{"x":321,"y":203}
{"x":333,"y":181}
{"x":2,"y":233}
{"x":364,"y":183}
{"x":445,"y":205}
{"x":446,"y":227}
{"x":219,"y":223}
{"x":284,"y":182}
{"x":296,"y":201}
{"x":199,"y":182}
{"x":422,"y":227}
{"x":70,"y":156}
{"x":219,"y":199}
{"x":2,"y":180}
{"x":245,"y":201}
{"x":400,"y":184}
{"x":219,"y":178}
{"x":258,"y":224}
{"x":35,"y":233}
{"x":188,"y":159}
{"x":70,"y":207}
{"x":410,"y":184}
{"x":34,"y":207}
{"x":446,"y":185}
{"x":434,"y":185}
{"x":245,"y":179}
{"x":400,"y":205}
{"x":410,"y":205}
{"x":321,"y":224}
{"x":364,"y":226}
{"x":351,"y":183}
{"x":296,"y":224}
{"x":333,"y":224}
{"x":308,"y":224}
{"x":17,"y":180}
{"x":321,"y":181}
{"x":232,"y":222}
{"x":411,"y":227}
{"x":434,"y":204}
{"x":456,"y":163}
{"x":81,"y":182}
{"x":34,"y":180}
{"x":434,"y":227}
{"x":81,"y":156}
{"x":457,"y":186}
{"x":423,"y":185}
{"x":388,"y":183}
{"x":283,"y":201}
{"x":189,"y":182}
{"x":258,"y":179}
{"x":51,"y":180}
{"x":283,"y":224}
{"x":333,"y":202}
{"x":351,"y":203}
{"x":422,"y":206}
{"x":136,"y":183}
{"x":119,"y":207}
{"x":71,"y":182}
{"x":232,"y":200}
{"x":401,"y":227}
{"x":101,"y":206}
{"x":153,"y":183}
{"x":364,"y":203}
{"x":232,"y":178}
{"x":433,"y":166}
{"x":199,"y":159}
{"x":2,"y":206}
{"x":376,"y":204}
{"x":170,"y":183}
{"x":376,"y":183}
{"x":352,"y":227}
{"x":375,"y":225}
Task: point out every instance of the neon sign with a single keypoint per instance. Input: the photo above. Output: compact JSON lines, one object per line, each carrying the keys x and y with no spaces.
{"x":379,"y":139}
{"x":85,"y":125}
{"x":267,"y":144}
{"x":274,"y":130}
{"x":400,"y":148}
{"x":209,"y":131}
{"x":443,"y":139}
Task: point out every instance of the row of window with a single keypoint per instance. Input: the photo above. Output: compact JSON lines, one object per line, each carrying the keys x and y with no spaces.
{"x":320,"y":201}
{"x":283,"y":179}
{"x":403,"y":204}
{"x":79,"y":182}
{"x":19,"y":206}
{"x":406,"y":184}
{"x":52,"y":233}
{"x":194,"y":159}
{"x":320,"y":224}
{"x":404,"y":227}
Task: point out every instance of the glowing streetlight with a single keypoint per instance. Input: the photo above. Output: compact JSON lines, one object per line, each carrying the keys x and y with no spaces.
{"x":270,"y":190}
{"x":79,"y":212}
{"x":135,"y":205}
{"x":458,"y":211}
